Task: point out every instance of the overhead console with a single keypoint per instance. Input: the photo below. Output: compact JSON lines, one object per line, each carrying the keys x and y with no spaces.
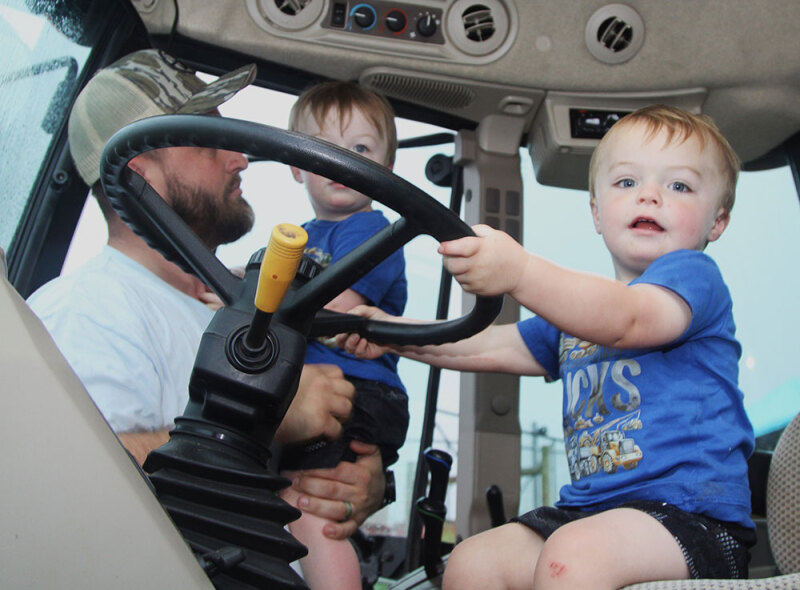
{"x":568,"y":126}
{"x":460,"y":31}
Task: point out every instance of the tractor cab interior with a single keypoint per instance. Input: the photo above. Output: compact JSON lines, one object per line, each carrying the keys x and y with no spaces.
{"x":499,"y":106}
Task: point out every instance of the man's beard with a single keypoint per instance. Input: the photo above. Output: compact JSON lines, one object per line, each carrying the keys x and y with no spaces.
{"x":215,"y":219}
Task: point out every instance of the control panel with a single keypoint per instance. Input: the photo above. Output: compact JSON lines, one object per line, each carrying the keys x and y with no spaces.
{"x":388,"y":20}
{"x":461,"y":31}
{"x":592,"y":124}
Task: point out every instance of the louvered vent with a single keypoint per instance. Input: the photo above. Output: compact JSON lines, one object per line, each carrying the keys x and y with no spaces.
{"x":289,"y":15}
{"x":434,"y":93}
{"x":478,"y":27}
{"x":478,"y":23}
{"x":614,"y":33}
{"x":292,"y":7}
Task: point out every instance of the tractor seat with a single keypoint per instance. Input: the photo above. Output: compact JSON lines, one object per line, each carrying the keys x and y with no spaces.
{"x":783,"y":525}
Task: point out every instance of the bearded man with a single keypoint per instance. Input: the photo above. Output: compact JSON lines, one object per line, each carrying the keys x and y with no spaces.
{"x":129,"y":321}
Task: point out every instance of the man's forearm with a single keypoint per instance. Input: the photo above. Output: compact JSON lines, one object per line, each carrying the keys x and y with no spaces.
{"x":139,"y":444}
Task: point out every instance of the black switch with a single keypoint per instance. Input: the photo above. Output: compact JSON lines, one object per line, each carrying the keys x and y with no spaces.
{"x":338,"y":14}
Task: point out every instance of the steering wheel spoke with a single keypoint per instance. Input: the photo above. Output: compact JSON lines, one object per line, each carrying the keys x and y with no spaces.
{"x":348,"y":270}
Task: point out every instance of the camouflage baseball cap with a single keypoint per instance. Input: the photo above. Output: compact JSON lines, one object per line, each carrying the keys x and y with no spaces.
{"x":140,"y":85}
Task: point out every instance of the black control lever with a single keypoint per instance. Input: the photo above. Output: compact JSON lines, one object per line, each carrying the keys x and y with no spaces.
{"x":494,"y":499}
{"x":432,"y":510}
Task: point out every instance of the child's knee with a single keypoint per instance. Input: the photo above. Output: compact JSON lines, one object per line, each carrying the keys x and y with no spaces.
{"x":461,"y":565}
{"x":564,"y":542}
{"x":501,"y":557}
{"x":464,"y":554}
{"x":569,"y":554}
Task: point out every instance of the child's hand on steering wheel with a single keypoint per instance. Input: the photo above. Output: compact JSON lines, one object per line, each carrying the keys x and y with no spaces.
{"x":359,"y":346}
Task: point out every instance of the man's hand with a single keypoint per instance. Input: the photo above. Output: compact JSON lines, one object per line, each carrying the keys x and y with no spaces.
{"x":489,"y":264}
{"x":323,"y":402}
{"x":324,"y":491}
{"x":139,"y":444}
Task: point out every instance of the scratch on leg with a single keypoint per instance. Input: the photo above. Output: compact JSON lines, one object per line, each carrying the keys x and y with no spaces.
{"x":557,"y":569}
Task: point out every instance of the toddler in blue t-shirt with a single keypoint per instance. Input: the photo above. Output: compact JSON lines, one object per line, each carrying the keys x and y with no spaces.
{"x":654,"y":425}
{"x":357,"y":119}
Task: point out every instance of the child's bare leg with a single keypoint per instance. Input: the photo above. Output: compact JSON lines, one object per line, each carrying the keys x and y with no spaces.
{"x":330,"y":563}
{"x":503,"y":557}
{"x":608,"y":551}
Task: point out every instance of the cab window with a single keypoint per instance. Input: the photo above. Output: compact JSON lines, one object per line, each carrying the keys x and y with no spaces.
{"x":38,"y":76}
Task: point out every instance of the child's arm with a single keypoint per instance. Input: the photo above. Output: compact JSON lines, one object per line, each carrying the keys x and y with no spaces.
{"x":495,"y":349}
{"x":591,"y":307}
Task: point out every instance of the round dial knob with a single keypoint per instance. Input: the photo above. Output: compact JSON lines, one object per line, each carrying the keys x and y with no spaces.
{"x":364,"y":16}
{"x":396,"y":20}
{"x":426,"y":26}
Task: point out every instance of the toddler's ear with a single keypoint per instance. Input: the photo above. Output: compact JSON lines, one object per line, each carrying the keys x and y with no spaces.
{"x":297,"y":173}
{"x":595,"y":214}
{"x":720,"y":223}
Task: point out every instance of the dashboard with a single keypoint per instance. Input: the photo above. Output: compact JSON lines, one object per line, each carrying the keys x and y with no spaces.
{"x":460,"y":32}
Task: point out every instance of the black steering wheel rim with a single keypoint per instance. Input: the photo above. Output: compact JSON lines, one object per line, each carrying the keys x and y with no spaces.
{"x":153,"y":219}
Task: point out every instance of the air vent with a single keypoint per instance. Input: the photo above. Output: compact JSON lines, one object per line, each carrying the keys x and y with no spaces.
{"x":478,"y":23}
{"x":290,"y":15}
{"x":433,"y":93}
{"x":614,"y":33}
{"x":292,"y":7}
{"x":477,"y":27}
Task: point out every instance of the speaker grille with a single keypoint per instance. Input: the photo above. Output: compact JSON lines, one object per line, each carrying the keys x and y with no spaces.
{"x":435,"y":93}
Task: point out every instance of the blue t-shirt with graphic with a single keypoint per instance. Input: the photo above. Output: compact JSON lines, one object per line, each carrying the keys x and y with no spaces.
{"x":384,"y":287}
{"x":663,"y":423}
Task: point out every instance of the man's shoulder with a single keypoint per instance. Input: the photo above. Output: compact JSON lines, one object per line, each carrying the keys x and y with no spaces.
{"x":97,"y":281}
{"x":107,"y":286}
{"x":76,"y":285}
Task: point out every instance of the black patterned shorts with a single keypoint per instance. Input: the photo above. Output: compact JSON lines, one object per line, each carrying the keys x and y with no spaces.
{"x":713,"y":549}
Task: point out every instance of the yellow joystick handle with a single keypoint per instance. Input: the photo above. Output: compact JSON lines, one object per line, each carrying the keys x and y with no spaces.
{"x":279,"y":265}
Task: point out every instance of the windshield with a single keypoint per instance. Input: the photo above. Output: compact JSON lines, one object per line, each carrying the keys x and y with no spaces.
{"x":38,"y":75}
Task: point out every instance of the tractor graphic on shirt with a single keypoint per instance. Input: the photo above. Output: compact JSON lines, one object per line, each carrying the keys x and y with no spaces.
{"x":603,"y":449}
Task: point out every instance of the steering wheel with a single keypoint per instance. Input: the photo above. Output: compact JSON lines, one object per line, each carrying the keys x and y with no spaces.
{"x":153,"y":219}
{"x":218,"y":452}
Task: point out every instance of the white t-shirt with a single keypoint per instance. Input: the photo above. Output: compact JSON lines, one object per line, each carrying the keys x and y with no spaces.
{"x":128,"y":335}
